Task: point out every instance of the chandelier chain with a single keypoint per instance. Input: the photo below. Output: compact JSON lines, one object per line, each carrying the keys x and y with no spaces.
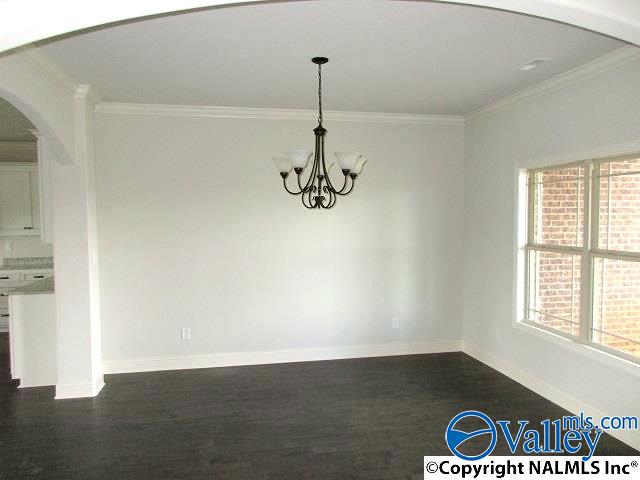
{"x":320,"y":94}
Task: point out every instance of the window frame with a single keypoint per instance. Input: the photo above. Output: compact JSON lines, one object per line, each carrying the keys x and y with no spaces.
{"x":589,"y":251}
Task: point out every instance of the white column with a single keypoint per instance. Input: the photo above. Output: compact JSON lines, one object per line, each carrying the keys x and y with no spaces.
{"x":76,"y":261}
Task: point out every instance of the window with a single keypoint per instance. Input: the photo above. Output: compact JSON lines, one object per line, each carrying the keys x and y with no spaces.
{"x":582,"y":253}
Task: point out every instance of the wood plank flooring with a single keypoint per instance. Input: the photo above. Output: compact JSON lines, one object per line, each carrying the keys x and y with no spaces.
{"x":368,"y":419}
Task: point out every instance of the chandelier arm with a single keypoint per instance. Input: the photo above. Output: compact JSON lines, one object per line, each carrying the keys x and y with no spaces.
{"x":308,"y":183}
{"x":335,"y":199}
{"x":284,"y":182}
{"x":324,"y":169}
{"x":332,"y":199}
{"x":312,"y":177}
{"x":343,"y":193}
{"x":344,"y":185}
{"x":309,"y":206}
{"x":306,"y":198}
{"x":328,"y":181}
{"x":314,"y":169}
{"x":313,"y":202}
{"x":328,"y":178}
{"x":302,"y":189}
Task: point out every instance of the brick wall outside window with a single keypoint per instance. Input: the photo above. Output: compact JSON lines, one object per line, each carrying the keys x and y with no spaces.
{"x":555,"y":282}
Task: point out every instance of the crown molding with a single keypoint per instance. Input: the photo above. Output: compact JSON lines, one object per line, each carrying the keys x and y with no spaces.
{"x":86,"y":92}
{"x":600,"y":65}
{"x":273,"y":114}
{"x":603,"y":64}
{"x":57,"y":74}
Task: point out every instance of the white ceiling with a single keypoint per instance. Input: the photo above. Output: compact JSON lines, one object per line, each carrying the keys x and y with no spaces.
{"x":386,"y":56}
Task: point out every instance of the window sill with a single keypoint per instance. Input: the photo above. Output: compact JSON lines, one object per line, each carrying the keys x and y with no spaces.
{"x":573,"y":346}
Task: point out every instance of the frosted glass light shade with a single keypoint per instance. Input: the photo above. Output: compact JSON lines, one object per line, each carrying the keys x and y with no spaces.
{"x":347,"y":160}
{"x":299,"y":158}
{"x":359,"y":165}
{"x":283,"y":164}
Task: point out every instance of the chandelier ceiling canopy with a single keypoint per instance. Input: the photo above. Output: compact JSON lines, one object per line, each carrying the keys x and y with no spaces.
{"x":317,"y":190}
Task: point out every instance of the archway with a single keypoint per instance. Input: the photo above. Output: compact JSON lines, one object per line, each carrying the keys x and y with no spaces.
{"x":19,"y":28}
{"x":63,"y":115}
{"x":28,"y":323}
{"x":40,"y":124}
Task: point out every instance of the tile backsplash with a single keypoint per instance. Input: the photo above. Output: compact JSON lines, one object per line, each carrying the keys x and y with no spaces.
{"x":24,"y":246}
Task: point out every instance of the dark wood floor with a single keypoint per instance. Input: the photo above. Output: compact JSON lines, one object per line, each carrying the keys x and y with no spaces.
{"x":365,"y":418}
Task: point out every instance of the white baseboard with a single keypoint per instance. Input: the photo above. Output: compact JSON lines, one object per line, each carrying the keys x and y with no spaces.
{"x":551,"y":393}
{"x":279,"y":356}
{"x":34,"y":385}
{"x":78,"y":390}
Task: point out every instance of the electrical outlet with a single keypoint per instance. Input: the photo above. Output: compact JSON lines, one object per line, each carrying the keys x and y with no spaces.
{"x":395,"y":322}
{"x":186,"y":333}
{"x":8,"y":246}
{"x":498,"y":335}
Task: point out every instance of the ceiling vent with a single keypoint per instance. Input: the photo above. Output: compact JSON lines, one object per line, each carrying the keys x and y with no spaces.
{"x":533,"y":64}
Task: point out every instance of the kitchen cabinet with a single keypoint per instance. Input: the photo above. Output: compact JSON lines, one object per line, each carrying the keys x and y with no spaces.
{"x":10,"y":279}
{"x":32,"y":337}
{"x":4,"y":316}
{"x":19,"y":200}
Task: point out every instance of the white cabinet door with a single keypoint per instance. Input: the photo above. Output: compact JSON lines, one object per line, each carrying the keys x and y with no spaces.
{"x":19,"y":201}
{"x":4,"y":314}
{"x":4,"y":320}
{"x":15,"y":201}
{"x":4,"y":307}
{"x":34,"y":188}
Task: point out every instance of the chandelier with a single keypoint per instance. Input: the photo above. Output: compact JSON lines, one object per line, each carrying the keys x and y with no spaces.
{"x":317,"y":191}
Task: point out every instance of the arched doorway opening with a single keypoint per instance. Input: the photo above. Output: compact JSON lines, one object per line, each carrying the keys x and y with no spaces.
{"x":27,"y":302}
{"x":622,"y":22}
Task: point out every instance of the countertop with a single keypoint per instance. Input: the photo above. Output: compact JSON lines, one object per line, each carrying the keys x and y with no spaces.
{"x":46,"y":266}
{"x":46,"y":285}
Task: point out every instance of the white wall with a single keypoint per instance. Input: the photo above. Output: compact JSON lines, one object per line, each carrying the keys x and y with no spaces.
{"x":196,"y":231}
{"x":596,"y":116}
